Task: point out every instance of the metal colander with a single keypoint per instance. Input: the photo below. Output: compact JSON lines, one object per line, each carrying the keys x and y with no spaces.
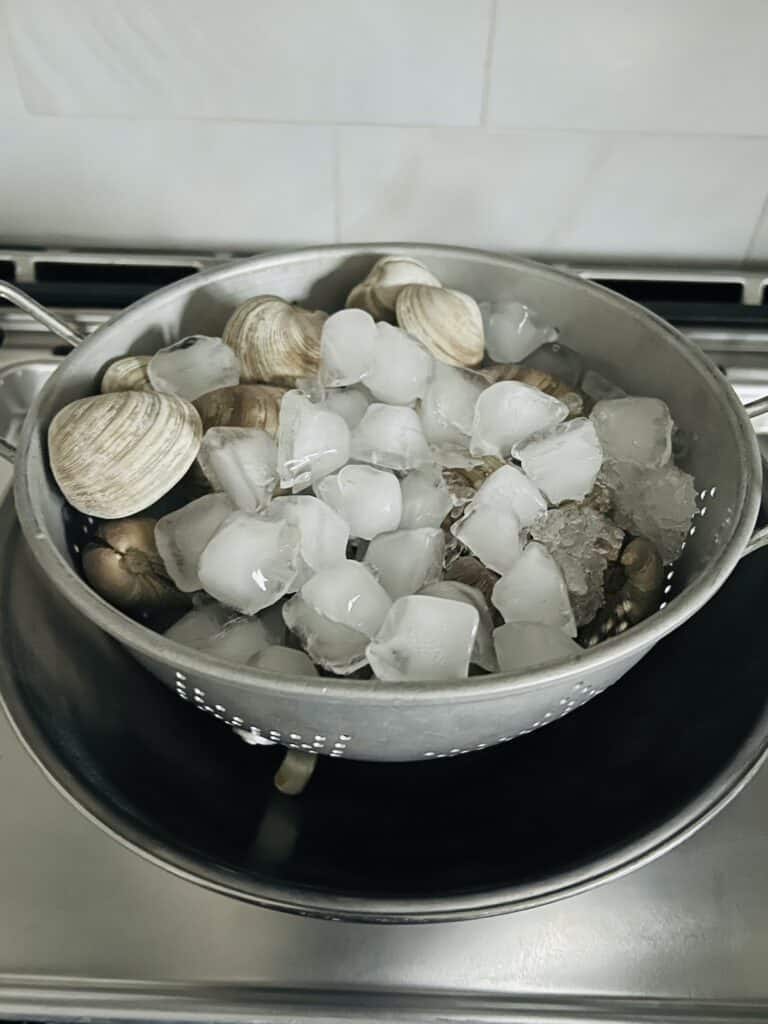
{"x":369,"y":719}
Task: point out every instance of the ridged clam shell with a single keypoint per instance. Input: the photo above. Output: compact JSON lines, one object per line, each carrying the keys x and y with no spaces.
{"x":377,"y":293}
{"x":126,"y":374}
{"x":277,"y":343}
{"x":114,"y":455}
{"x":244,"y":405}
{"x":447,"y":322}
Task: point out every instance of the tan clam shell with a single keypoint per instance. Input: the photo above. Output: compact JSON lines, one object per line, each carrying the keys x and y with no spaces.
{"x":446,"y":322}
{"x":115,"y":455}
{"x":126,"y":374}
{"x":243,"y":405}
{"x":277,"y":343}
{"x":377,"y":293}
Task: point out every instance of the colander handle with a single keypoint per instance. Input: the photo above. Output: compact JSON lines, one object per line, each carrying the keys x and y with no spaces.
{"x":40,"y":313}
{"x":759,"y":538}
{"x":51,"y":321}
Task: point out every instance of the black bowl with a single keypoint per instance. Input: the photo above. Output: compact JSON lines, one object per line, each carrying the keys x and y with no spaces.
{"x":582,"y":800}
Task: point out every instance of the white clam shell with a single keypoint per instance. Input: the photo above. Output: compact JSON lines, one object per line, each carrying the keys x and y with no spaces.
{"x":126,"y":374}
{"x":377,"y":293}
{"x":277,"y":343}
{"x":447,"y":322}
{"x":115,"y":455}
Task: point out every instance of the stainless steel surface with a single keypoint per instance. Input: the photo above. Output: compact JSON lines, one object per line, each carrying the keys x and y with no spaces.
{"x":20,"y":383}
{"x":413,"y":720}
{"x":692,"y":926}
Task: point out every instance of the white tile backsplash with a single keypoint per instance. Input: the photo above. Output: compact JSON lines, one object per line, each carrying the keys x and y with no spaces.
{"x":557,"y":128}
{"x":278,"y":60}
{"x":462,"y":187}
{"x":191,"y":184}
{"x":619,"y":65}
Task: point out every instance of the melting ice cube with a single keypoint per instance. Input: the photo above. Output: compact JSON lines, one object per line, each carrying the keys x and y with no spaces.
{"x":635,"y":430}
{"x":508,"y":413}
{"x":483,"y":653}
{"x":512,"y":331}
{"x":534,"y":590}
{"x":182,"y":536}
{"x":350,"y":595}
{"x":508,"y":488}
{"x":426,"y":500}
{"x":529,"y":645}
{"x":349,"y":403}
{"x":242,"y":462}
{"x":369,"y":499}
{"x":390,"y":436}
{"x":565,"y":463}
{"x":312,"y":442}
{"x":283,"y":661}
{"x":406,"y":560}
{"x":194,"y":366}
{"x":323,"y":534}
{"x":401,"y":367}
{"x":250,"y":562}
{"x":347,"y":347}
{"x":330,"y":644}
{"x":424,"y":638}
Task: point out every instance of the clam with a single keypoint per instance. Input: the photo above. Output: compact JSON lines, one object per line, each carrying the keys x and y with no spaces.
{"x":447,"y":322}
{"x":126,"y":374}
{"x":277,"y":343}
{"x":378,"y":292}
{"x":122,"y":564}
{"x":114,"y":455}
{"x":244,"y":405}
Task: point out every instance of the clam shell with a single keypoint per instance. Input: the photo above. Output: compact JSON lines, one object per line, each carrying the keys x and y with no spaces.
{"x":377,"y":293}
{"x":114,"y":455}
{"x":126,"y":374}
{"x":277,"y":343}
{"x":243,"y":405}
{"x":447,"y":322}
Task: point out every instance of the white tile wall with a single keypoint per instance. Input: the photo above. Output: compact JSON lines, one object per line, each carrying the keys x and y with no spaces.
{"x":278,"y":60}
{"x":554,"y":127}
{"x":622,"y":65}
{"x":192,"y":184}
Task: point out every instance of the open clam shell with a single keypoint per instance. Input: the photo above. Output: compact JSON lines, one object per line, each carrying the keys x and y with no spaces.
{"x":448,"y":323}
{"x":377,"y":293}
{"x":277,"y":343}
{"x":115,"y":455}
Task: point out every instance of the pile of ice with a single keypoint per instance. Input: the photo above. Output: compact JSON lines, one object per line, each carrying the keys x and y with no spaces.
{"x":326,"y":548}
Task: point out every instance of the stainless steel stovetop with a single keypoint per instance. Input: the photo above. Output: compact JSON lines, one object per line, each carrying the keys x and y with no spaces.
{"x":89,"y":930}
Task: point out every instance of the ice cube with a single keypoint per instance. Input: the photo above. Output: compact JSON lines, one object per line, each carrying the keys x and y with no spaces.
{"x":349,"y":403}
{"x":596,"y":387}
{"x":283,"y":661}
{"x":242,"y":462}
{"x":658,"y":504}
{"x":582,"y":541}
{"x":530,"y":645}
{"x":426,"y":501}
{"x":559,"y":361}
{"x":390,"y":436}
{"x":448,"y":407}
{"x":401,"y":367}
{"x":250,"y":562}
{"x":483,"y":653}
{"x":214,"y":630}
{"x":368,"y":499}
{"x":311,"y":442}
{"x":194,"y":366}
{"x":565,"y":463}
{"x":492,"y":533}
{"x":424,"y":638}
{"x":331,"y":645}
{"x":513,"y":331}
{"x":350,"y":595}
{"x":508,"y":413}
{"x":323,"y":534}
{"x":347,"y":347}
{"x":181,"y":537}
{"x":635,"y":430}
{"x":406,"y":560}
{"x":509,"y":488}
{"x":534,"y":590}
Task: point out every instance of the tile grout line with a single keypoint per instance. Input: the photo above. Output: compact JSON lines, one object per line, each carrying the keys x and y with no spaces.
{"x":761,"y":218}
{"x":488,"y":62}
{"x":337,"y":183}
